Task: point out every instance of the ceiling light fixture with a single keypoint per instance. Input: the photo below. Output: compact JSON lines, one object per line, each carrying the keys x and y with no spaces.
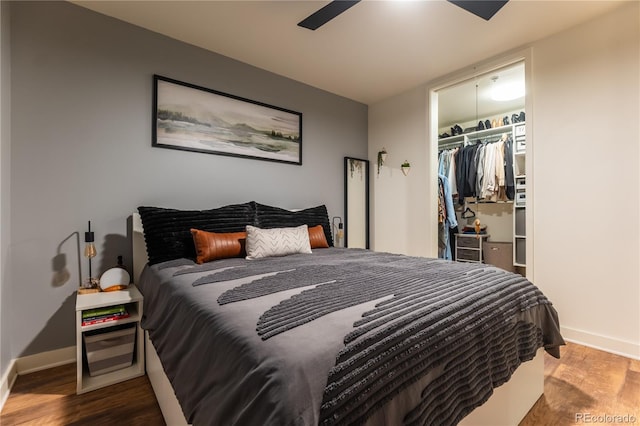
{"x":506,"y":91}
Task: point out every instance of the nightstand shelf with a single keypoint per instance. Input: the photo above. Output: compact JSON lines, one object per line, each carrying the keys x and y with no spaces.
{"x":132,"y":299}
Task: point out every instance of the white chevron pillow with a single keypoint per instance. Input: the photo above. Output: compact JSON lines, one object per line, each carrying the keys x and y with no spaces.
{"x":276,"y":241}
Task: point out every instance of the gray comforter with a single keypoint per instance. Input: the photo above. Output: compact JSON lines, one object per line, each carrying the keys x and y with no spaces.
{"x":341,"y":336}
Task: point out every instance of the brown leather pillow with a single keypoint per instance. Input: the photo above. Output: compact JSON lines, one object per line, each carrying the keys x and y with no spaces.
{"x":317,"y":238}
{"x":214,"y":245}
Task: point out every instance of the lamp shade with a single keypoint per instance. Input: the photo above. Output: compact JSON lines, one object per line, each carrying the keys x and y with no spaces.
{"x":90,"y":248}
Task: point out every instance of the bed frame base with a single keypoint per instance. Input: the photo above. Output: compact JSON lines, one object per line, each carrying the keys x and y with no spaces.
{"x":511,"y":402}
{"x":169,"y":405}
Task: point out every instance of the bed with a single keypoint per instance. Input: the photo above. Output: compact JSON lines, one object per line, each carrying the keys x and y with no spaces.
{"x":334,"y":336}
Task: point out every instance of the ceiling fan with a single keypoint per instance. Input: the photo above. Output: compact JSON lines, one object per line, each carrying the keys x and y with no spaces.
{"x":480,"y":8}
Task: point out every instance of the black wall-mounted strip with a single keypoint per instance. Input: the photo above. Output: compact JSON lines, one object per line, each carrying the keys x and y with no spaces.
{"x":483,"y":9}
{"x":327,"y":13}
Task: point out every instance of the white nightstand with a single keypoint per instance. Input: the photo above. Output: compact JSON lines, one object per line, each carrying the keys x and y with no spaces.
{"x":132,"y":299}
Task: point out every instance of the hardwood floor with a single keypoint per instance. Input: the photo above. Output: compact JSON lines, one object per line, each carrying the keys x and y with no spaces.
{"x":583,"y":381}
{"x":49,"y":397}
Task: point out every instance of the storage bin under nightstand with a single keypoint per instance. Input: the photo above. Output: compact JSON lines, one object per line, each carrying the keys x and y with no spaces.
{"x":109,"y":349}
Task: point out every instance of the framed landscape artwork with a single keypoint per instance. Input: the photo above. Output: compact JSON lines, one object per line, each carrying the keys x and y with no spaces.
{"x":193,"y":118}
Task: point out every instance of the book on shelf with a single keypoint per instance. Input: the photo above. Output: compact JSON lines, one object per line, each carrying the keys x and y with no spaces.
{"x":97,"y":317}
{"x":105,"y":318}
{"x":107,"y":310}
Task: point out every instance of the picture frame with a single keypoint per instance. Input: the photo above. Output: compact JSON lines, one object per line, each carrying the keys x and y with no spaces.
{"x":192,"y":118}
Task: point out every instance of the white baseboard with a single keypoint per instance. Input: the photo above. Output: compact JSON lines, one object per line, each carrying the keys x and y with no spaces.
{"x":8,"y":379}
{"x":603,"y":343}
{"x":32,"y":363}
{"x":42,"y":361}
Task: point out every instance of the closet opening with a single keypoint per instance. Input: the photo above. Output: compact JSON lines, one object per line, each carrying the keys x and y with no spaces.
{"x":481,"y":168}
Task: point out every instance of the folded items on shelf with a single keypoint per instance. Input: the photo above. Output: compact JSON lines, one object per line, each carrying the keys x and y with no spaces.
{"x":472,"y":229}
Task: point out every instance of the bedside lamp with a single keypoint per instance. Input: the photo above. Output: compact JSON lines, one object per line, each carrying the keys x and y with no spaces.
{"x":89,"y":252}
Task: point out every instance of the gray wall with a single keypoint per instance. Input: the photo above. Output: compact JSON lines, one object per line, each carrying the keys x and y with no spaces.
{"x":81,"y":150}
{"x":5,"y":133}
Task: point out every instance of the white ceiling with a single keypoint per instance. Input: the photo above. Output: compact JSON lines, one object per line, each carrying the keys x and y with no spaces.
{"x":372,"y":51}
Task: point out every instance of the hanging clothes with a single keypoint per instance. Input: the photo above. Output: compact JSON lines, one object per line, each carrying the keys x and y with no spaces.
{"x":479,"y":159}
{"x":449,"y":218}
{"x":451,"y":175}
{"x":442,"y":217}
{"x":489,"y":178}
{"x":466,"y":171}
{"x":500,"y":172}
{"x":483,"y":170}
{"x":447,"y":167}
{"x":472,"y":173}
{"x":509,"y":178}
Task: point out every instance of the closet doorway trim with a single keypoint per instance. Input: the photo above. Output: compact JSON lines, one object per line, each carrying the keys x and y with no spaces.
{"x":466,"y":74}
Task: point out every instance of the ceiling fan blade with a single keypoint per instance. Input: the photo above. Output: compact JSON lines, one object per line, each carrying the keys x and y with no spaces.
{"x":327,"y":13}
{"x":483,"y":9}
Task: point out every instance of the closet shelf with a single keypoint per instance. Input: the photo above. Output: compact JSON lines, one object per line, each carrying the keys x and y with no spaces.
{"x":474,"y":201}
{"x":477,"y":134}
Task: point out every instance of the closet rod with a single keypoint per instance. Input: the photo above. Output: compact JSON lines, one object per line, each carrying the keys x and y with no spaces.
{"x":487,"y":139}
{"x":448,"y":145}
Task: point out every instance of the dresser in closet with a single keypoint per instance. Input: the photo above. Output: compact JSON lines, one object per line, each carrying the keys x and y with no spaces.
{"x":469,"y":247}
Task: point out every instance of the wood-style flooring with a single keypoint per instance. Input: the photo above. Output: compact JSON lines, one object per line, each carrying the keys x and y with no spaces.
{"x":48,"y":397}
{"x":587,"y":382}
{"x":583,"y":381}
